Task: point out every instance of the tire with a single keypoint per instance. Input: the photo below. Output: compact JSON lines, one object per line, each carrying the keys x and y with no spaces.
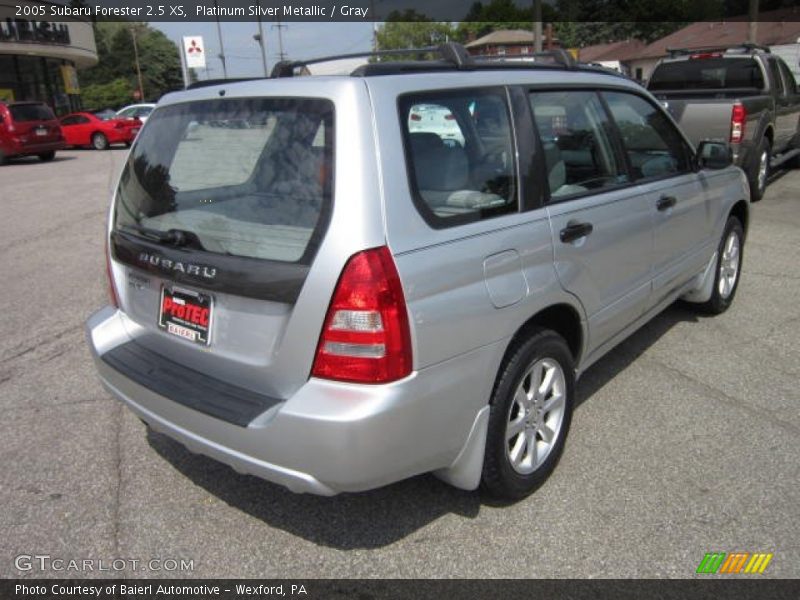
{"x":99,"y":141}
{"x":728,"y":268}
{"x":47,"y":156}
{"x":759,"y":170}
{"x":3,"y":158}
{"x":510,"y":469}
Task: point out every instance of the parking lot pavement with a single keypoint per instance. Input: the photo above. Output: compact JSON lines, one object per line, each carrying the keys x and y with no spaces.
{"x":685,"y":441}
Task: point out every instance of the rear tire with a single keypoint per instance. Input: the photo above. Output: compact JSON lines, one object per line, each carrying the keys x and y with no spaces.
{"x":728,"y":268}
{"x":529,"y":417}
{"x":759,"y":170}
{"x":47,"y":156}
{"x":99,"y":141}
{"x":2,"y":158}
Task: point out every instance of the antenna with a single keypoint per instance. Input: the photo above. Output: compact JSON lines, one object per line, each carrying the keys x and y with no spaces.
{"x":279,"y":26}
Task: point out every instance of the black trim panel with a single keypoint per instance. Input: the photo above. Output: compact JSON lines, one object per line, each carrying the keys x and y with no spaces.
{"x":239,"y":275}
{"x":186,"y":386}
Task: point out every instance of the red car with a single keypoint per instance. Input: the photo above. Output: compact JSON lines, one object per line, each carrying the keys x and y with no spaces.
{"x":29,"y":129}
{"x":99,"y":130}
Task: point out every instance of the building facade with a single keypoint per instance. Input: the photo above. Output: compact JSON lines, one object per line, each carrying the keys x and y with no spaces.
{"x":40,"y":57}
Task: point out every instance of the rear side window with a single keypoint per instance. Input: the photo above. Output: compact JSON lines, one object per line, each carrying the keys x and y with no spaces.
{"x":460,"y":155}
{"x":575,"y":134}
{"x":775,"y":73}
{"x":247,"y":177}
{"x":654,"y":146}
{"x":31,"y":112}
{"x":707,"y":73}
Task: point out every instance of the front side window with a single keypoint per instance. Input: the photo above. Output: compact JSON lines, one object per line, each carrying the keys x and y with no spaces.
{"x":245,"y":177}
{"x":574,"y":131}
{"x":460,"y":155}
{"x":654,"y":146}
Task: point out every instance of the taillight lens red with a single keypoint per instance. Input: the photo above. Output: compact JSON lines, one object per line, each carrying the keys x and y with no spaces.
{"x":366,"y":336}
{"x":738,"y":118}
{"x":112,"y":291}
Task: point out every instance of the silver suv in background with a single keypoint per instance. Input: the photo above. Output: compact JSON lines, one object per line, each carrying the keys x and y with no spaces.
{"x":337,"y":297}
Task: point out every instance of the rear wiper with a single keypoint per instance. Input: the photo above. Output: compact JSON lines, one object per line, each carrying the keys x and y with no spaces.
{"x":171,"y":237}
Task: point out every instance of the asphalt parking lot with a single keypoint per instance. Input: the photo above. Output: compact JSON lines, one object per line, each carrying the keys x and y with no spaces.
{"x":686,"y":439}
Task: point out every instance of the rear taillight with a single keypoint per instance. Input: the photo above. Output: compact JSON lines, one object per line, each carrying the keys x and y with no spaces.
{"x":112,"y":291}
{"x":738,"y":118}
{"x":366,"y":337}
{"x":120,"y":125}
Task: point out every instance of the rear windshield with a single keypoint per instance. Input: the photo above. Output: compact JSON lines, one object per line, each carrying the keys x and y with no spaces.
{"x":707,"y":73}
{"x":31,"y":112}
{"x":247,"y":177}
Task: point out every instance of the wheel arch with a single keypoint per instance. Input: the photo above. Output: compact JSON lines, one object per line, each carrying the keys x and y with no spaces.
{"x":741,"y":211}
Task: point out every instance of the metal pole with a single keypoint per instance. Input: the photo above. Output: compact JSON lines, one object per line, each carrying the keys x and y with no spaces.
{"x":136,"y":59}
{"x":537,"y":25}
{"x":752,"y":15}
{"x":261,"y":42}
{"x":184,"y":70}
{"x":221,"y":47}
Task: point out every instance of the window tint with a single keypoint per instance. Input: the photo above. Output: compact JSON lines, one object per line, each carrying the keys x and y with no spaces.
{"x":249,"y":177}
{"x":652,"y":143}
{"x":460,"y":155}
{"x":30,"y":112}
{"x":775,"y":75}
{"x":707,"y":73}
{"x":574,"y":130}
{"x":789,"y":83}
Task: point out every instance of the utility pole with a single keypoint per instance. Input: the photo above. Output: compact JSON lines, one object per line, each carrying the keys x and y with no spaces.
{"x":259,"y":37}
{"x":221,"y":47}
{"x":136,"y":60}
{"x":374,"y":26}
{"x":184,"y":69}
{"x":280,"y":26}
{"x":537,"y":25}
{"x":752,"y":16}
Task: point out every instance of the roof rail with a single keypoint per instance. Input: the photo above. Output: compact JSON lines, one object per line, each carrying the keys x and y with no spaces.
{"x":220,"y":81}
{"x":743,"y":47}
{"x":557,"y":57}
{"x":451,"y":52}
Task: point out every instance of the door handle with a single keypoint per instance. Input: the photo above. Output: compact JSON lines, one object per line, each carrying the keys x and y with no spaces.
{"x":666,"y":202}
{"x":574,"y":231}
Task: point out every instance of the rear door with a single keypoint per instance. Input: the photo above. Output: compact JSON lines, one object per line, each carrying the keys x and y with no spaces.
{"x":216,"y":226}
{"x":601,"y":225}
{"x":675,"y":196}
{"x":787,"y":107}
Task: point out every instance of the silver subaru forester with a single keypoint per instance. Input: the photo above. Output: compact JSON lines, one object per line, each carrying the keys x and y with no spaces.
{"x":335,"y":283}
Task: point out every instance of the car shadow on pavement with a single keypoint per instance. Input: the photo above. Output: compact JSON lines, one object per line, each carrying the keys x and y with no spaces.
{"x":32,"y":161}
{"x":379,"y":517}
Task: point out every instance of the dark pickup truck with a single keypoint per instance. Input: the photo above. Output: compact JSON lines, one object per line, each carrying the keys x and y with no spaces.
{"x":743,"y":95}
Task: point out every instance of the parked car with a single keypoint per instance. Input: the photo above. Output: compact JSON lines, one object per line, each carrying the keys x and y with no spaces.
{"x":136,"y":111}
{"x":99,"y":130}
{"x":745,"y":95}
{"x":343,"y":299}
{"x":29,"y":129}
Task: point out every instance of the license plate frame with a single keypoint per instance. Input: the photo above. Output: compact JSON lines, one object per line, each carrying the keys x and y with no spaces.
{"x":41,"y":131}
{"x":186,"y":314}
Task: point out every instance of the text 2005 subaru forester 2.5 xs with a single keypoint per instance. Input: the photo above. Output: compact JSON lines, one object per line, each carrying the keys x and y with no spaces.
{"x":311,"y":285}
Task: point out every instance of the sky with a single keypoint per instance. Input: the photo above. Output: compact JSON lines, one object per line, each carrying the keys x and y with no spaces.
{"x":242,"y":53}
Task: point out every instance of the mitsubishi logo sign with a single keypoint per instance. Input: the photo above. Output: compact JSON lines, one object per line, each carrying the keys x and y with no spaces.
{"x":194,"y":52}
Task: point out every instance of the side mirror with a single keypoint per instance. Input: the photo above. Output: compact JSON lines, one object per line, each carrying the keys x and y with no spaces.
{"x":713,"y":155}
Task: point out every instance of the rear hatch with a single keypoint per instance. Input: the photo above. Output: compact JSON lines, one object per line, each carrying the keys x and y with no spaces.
{"x":221,"y":208}
{"x":34,"y":123}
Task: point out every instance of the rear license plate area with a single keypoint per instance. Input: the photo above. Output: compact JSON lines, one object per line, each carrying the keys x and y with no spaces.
{"x":41,"y":131}
{"x":186,"y":314}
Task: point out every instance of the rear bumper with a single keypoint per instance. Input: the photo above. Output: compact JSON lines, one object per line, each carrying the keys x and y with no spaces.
{"x":25,"y":149}
{"x":328,"y":437}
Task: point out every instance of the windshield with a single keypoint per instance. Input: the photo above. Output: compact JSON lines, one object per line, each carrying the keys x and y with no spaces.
{"x":105,"y":115}
{"x":31,"y":112}
{"x":707,"y":73}
{"x":247,"y":177}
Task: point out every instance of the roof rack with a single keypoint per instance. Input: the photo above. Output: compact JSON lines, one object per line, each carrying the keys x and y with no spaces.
{"x":220,"y":81}
{"x":744,"y":47}
{"x":452,"y":55}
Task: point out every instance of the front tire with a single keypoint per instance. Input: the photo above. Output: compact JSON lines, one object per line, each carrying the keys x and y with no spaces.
{"x":728,"y":269}
{"x":99,"y":142}
{"x":759,"y":172}
{"x":530,"y":415}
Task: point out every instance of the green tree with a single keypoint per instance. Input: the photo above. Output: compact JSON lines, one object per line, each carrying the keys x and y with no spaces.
{"x":410,"y":29}
{"x":115,"y":93}
{"x":159,"y":60}
{"x":499,"y":14}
